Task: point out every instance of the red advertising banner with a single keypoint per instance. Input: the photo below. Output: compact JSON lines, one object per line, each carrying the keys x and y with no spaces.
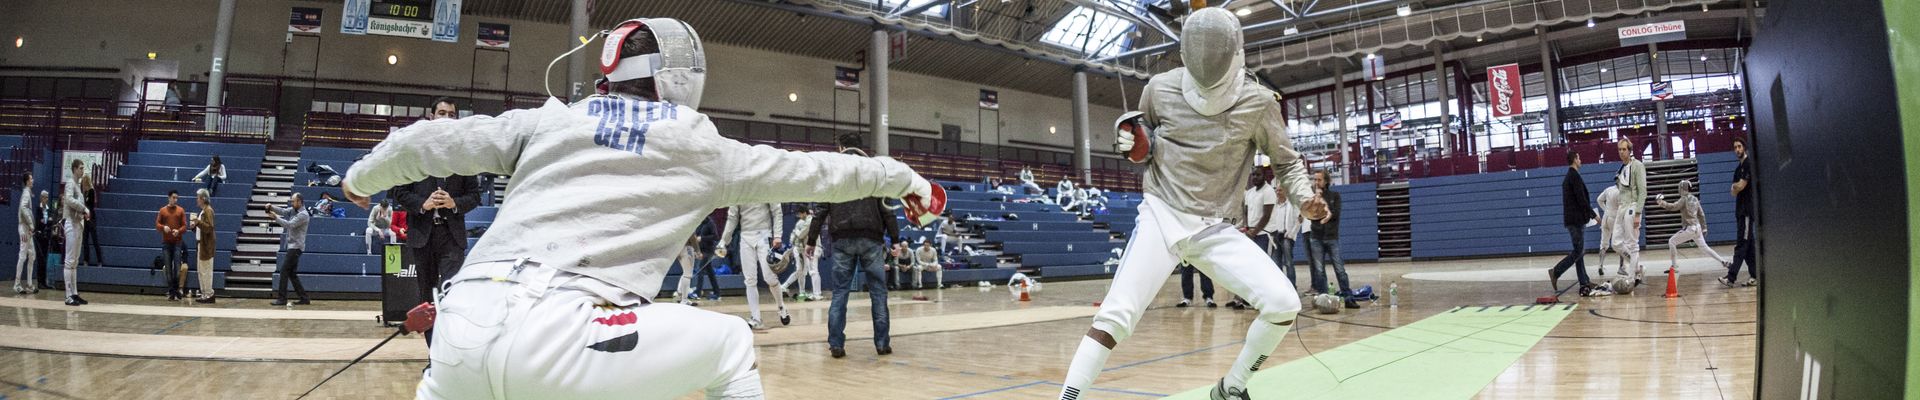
{"x":1504,"y":90}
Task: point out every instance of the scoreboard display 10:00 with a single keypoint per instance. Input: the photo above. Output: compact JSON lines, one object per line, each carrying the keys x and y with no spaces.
{"x":420,"y":10}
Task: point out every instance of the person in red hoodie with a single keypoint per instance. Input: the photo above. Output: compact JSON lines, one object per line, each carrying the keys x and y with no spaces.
{"x":172,"y":223}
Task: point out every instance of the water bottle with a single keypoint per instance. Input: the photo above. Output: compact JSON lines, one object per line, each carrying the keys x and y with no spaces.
{"x":1393,"y":295}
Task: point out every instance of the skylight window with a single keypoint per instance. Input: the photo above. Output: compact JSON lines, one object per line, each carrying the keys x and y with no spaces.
{"x":1090,"y":32}
{"x":935,"y":11}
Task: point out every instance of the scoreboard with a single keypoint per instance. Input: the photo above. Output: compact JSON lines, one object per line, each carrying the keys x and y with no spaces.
{"x":416,"y":10}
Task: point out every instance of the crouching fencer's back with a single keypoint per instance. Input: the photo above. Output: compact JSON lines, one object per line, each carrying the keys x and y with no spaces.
{"x":610,"y":187}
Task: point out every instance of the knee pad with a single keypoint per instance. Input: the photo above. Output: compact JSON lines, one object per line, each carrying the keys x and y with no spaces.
{"x":1279,"y":309}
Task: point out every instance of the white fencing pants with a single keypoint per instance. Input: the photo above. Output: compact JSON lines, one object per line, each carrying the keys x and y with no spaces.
{"x":939,"y":274}
{"x":753,"y":264}
{"x":385,"y":235}
{"x":802,"y":265}
{"x":1626,"y":241}
{"x":1217,"y":250}
{"x":688,"y":258}
{"x":536,"y":334}
{"x":23,"y":269}
{"x":1691,"y":233}
{"x":72,"y":262}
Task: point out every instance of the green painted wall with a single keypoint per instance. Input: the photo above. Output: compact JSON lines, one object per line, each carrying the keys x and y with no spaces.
{"x":1903,"y":38}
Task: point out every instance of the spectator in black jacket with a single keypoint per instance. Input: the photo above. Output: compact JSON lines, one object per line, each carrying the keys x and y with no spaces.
{"x":1575,"y":211}
{"x":709,"y":235}
{"x":1743,"y":213}
{"x":861,"y":231}
{"x":1326,"y":242}
{"x":437,"y":228}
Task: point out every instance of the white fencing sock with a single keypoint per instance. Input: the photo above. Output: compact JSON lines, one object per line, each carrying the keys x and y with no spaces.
{"x":1087,"y":363}
{"x":1262,"y":338}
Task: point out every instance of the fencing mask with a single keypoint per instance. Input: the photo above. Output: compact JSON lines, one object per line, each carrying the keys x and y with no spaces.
{"x":679,"y":69}
{"x":1210,"y":46}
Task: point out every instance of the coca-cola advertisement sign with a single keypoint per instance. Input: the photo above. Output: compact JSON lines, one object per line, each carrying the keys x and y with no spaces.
{"x":1505,"y":90}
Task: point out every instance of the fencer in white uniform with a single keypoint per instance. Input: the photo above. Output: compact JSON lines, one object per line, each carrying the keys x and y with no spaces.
{"x":555,"y":302}
{"x":759,"y":227}
{"x":1630,"y":203}
{"x":1693,"y":217}
{"x":1206,"y":121}
{"x":803,"y":263}
{"x":23,"y":267}
{"x":74,"y":207}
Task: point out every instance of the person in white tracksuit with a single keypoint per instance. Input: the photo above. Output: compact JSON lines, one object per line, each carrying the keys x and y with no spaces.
{"x":1205,"y":122}
{"x":1063,"y":193}
{"x":803,"y":263}
{"x":1694,"y":219}
{"x":555,"y":302}
{"x":74,"y":205}
{"x":926,"y":259}
{"x":23,"y":269}
{"x":1630,"y":202}
{"x":379,"y":225}
{"x":759,"y":228}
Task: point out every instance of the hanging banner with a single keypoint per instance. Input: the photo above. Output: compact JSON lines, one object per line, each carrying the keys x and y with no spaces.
{"x":491,"y":35}
{"x":989,"y":99}
{"x":1657,"y":32}
{"x":1504,"y":90}
{"x":846,"y":78}
{"x":1376,"y":68}
{"x":353,"y":17}
{"x":896,"y":47}
{"x":1390,"y":121}
{"x":446,"y":21}
{"x":1662,"y":90}
{"x":304,"y":20}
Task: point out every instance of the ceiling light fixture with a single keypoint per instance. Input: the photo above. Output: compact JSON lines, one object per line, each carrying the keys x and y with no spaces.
{"x":1243,"y":11}
{"x":393,"y":59}
{"x":1404,"y":10}
{"x":793,"y":97}
{"x":1291,"y":31}
{"x":1589,"y":22}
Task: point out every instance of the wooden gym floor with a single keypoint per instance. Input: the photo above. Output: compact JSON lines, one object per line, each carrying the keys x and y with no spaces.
{"x":961,"y":343}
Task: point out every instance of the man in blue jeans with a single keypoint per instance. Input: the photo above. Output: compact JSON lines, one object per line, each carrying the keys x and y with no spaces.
{"x":1575,"y":211}
{"x":861,"y":231}
{"x":1325,"y":247}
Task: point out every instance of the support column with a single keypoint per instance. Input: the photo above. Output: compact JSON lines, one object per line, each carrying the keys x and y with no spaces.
{"x":1661,"y":144}
{"x":217,"y":78}
{"x":1340,"y":113}
{"x":1082,"y":145}
{"x":579,"y":82}
{"x":877,"y":91}
{"x":1440,"y":80}
{"x":1553,"y":91}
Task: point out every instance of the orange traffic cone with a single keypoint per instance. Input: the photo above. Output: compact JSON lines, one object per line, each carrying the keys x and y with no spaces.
{"x":1673,"y":283}
{"x":1023,"y":293}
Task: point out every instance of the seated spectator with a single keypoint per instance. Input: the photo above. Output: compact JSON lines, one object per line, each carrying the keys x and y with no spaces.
{"x":379,"y":224}
{"x":326,"y":207}
{"x":212,"y":176}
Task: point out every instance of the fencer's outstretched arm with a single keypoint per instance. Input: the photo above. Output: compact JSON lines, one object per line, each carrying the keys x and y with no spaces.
{"x":763,"y":174}
{"x":1673,"y":206}
{"x":447,"y":147}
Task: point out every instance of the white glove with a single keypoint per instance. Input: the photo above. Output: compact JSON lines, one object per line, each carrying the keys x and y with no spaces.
{"x":923,"y":189}
{"x":1123,"y":141}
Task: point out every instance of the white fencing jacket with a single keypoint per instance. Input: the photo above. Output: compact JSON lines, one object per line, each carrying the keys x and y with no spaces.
{"x":759,"y":220}
{"x":611,"y":187}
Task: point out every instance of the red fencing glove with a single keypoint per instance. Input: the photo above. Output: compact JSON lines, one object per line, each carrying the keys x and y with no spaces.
{"x":420,"y":318}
